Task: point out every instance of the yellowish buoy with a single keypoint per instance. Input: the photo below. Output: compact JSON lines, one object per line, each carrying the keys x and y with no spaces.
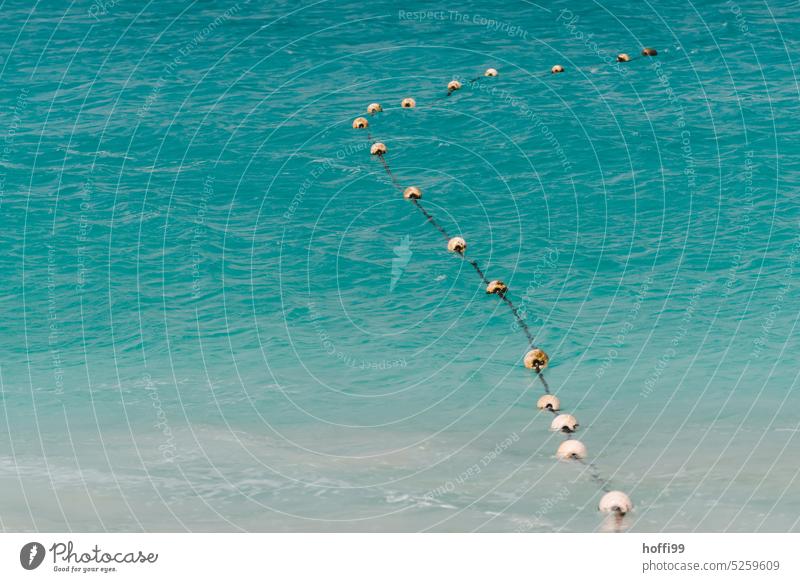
{"x":497,"y":287}
{"x":571,"y":449}
{"x":548,"y":402}
{"x":536,"y":359}
{"x":457,"y":245}
{"x":412,"y":192}
{"x":564,"y":423}
{"x":378,"y":149}
{"x":408,"y":103}
{"x":360,"y":123}
{"x":615,"y":502}
{"x":374,"y":108}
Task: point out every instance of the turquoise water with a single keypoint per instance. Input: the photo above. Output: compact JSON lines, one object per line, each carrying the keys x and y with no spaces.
{"x":218,"y":314}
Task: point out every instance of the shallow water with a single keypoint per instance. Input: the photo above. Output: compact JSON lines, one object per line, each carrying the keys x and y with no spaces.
{"x":218,"y":314}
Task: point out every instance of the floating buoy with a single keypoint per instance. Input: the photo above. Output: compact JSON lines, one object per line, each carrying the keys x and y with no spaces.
{"x":378,"y":149}
{"x":536,"y":359}
{"x":571,"y":449}
{"x":649,"y":52}
{"x":457,"y":245}
{"x":360,"y":123}
{"x":557,"y":69}
{"x":412,"y":192}
{"x":548,"y":402}
{"x":497,"y":287}
{"x":564,"y":423}
{"x":491,"y":72}
{"x":408,"y":103}
{"x":623,"y":58}
{"x":453,"y":85}
{"x":374,"y":108}
{"x":615,"y":502}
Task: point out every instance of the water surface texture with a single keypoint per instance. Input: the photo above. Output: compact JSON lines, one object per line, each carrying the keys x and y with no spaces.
{"x":219,"y":314}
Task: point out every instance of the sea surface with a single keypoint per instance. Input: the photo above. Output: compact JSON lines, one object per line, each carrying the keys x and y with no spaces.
{"x":219,"y":314}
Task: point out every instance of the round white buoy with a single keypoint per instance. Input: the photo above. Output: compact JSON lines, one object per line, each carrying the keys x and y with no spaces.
{"x":615,"y":502}
{"x":571,"y":449}
{"x":564,"y":423}
{"x":548,"y":402}
{"x":374,"y":108}
{"x":408,"y":103}
{"x":360,"y":123}
{"x":497,"y":287}
{"x":491,"y":72}
{"x":412,"y":192}
{"x":536,"y":359}
{"x":453,"y":85}
{"x":557,"y":69}
{"x":457,"y":245}
{"x":378,"y":149}
{"x":623,"y":58}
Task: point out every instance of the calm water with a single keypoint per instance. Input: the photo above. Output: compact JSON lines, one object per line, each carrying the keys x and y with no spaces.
{"x":218,"y":314}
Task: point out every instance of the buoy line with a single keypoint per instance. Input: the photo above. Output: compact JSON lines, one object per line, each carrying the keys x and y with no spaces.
{"x":613,"y":502}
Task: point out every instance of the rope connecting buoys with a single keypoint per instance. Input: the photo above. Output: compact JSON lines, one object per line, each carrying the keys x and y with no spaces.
{"x":457,"y":245}
{"x":412,"y":193}
{"x":615,"y":502}
{"x":649,"y":52}
{"x":490,"y":72}
{"x":408,"y":103}
{"x":564,"y":423}
{"x":497,"y":287}
{"x":378,"y":149}
{"x":623,"y":58}
{"x":548,"y":402}
{"x":536,"y":359}
{"x":571,"y":449}
{"x":374,"y":108}
{"x":429,"y":217}
{"x":557,"y":69}
{"x":453,"y":85}
{"x":360,"y":123}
